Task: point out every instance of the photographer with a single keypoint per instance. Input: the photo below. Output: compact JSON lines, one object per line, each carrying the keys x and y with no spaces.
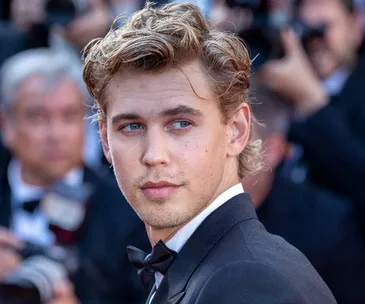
{"x":324,"y":226}
{"x":25,"y":24}
{"x":323,"y":79}
{"x":61,"y":222}
{"x":37,"y":20}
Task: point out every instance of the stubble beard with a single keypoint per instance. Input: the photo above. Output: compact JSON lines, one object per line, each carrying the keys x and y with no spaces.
{"x":163,"y":216}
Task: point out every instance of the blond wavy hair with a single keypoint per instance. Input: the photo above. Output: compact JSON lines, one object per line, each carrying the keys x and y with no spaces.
{"x":171,"y":36}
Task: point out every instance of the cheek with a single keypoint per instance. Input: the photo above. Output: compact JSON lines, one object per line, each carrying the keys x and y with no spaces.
{"x":125,"y":159}
{"x":30,"y":137}
{"x":78,"y":136}
{"x":339,"y":39}
{"x":75,"y":131}
{"x":204,"y":153}
{"x":28,"y":146}
{"x":127,"y":171}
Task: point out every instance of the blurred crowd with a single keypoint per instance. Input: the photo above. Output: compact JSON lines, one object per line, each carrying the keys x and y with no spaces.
{"x":62,"y":216}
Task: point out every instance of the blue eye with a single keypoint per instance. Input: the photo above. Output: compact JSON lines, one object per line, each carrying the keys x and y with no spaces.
{"x":132,"y":127}
{"x":181,"y":124}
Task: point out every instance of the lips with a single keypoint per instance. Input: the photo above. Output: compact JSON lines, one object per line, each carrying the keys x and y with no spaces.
{"x":55,"y":156}
{"x":161,"y":189}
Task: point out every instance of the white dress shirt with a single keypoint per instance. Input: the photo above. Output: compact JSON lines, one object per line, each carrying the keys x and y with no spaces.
{"x":181,"y":237}
{"x":32,"y":227}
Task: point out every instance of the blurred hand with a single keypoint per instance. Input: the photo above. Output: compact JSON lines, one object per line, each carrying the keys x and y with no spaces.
{"x":64,"y":294}
{"x":25,"y":14}
{"x":92,"y":25}
{"x":230,"y":19}
{"x":9,"y":259}
{"x":293,"y":76}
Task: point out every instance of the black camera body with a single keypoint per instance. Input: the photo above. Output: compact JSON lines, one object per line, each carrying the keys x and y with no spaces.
{"x":263,"y":35}
{"x":60,"y":12}
{"x":43,"y":268}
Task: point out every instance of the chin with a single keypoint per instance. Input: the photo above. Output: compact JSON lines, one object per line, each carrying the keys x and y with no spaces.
{"x":161,"y":224}
{"x":57,"y":173}
{"x":324,"y":69}
{"x":165,"y":220}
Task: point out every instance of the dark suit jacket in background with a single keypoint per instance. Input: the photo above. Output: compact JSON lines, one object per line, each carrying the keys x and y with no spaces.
{"x":350,"y":101}
{"x":334,"y":155}
{"x":106,"y":275}
{"x":232,"y":259}
{"x":333,"y":140}
{"x":325,"y":228}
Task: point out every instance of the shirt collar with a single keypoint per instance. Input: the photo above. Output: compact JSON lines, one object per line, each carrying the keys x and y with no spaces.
{"x":181,"y":237}
{"x":334,"y":83}
{"x":21,"y":191}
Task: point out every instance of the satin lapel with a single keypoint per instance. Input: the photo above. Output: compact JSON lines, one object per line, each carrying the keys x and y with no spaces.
{"x":151,"y":294}
{"x":89,"y":176}
{"x":236,"y":210}
{"x":83,"y":242}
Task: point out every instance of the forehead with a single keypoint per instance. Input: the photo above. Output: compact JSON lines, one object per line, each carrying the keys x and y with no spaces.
{"x":137,"y":91}
{"x":322,"y":7}
{"x":37,"y":90}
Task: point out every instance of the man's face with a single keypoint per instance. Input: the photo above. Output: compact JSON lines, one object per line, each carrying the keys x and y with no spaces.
{"x":169,"y":148}
{"x":342,"y":35}
{"x":45,"y":129}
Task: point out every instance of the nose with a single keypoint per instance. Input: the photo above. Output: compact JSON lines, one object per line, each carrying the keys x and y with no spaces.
{"x":55,"y":131}
{"x":156,"y":151}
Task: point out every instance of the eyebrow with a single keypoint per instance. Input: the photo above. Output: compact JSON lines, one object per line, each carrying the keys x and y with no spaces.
{"x":179,"y":110}
{"x":124,"y":116}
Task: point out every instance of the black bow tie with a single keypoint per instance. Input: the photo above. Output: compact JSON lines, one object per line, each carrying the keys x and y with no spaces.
{"x":147,"y":264}
{"x":30,"y":206}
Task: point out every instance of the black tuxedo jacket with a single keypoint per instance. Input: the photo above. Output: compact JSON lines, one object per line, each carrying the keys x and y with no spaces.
{"x":232,"y":259}
{"x":106,"y":275}
{"x":325,"y":228}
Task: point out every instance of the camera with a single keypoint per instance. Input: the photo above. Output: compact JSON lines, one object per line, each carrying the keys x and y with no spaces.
{"x":59,"y":12}
{"x":268,"y":20}
{"x":43,"y":268}
{"x":34,"y":281}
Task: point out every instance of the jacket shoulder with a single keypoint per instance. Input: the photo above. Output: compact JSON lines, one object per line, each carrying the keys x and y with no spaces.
{"x":258,"y":282}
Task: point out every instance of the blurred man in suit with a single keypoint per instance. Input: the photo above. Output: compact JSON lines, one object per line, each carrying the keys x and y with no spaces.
{"x":172,"y":95}
{"x":324,"y":83}
{"x":326,"y":228}
{"x":42,"y":99}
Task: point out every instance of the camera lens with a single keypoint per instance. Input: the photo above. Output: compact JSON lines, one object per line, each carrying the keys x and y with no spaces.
{"x":34,"y":280}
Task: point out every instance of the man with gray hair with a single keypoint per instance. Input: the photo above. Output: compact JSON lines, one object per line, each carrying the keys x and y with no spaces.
{"x":50,"y":199}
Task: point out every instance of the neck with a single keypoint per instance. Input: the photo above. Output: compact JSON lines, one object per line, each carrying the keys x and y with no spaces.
{"x":155,"y":235}
{"x":29,"y":177}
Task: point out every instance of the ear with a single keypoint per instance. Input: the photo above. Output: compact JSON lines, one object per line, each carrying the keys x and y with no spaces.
{"x":275,"y":150}
{"x":104,"y":140}
{"x":239,"y":130}
{"x":7,"y":130}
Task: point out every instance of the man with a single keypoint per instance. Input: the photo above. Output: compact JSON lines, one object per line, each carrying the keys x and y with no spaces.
{"x":325,"y":86}
{"x":43,"y":127}
{"x":325,"y":227}
{"x":174,"y":120}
